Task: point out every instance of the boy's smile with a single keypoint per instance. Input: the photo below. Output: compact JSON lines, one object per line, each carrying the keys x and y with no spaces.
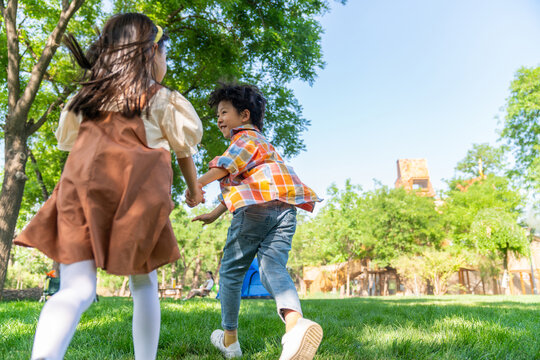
{"x":229,"y":118}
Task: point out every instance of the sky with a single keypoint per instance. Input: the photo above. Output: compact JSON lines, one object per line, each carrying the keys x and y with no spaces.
{"x":410,"y":79}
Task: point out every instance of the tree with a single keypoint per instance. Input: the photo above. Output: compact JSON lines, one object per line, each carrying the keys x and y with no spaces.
{"x":522,"y":125}
{"x":268,"y":43}
{"x":481,"y":160}
{"x":496,"y":231}
{"x":400,"y":223}
{"x":342,"y":227}
{"x":22,"y":90}
{"x":435,"y":266}
{"x":201,"y":247}
{"x":462,"y":205}
{"x":381,"y":225}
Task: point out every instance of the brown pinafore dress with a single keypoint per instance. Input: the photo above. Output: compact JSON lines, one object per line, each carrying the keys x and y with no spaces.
{"x":112,"y":202}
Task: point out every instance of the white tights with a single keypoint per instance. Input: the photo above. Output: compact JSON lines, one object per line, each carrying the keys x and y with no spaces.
{"x":62,"y":312}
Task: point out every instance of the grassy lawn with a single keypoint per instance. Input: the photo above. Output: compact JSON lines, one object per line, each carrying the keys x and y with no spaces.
{"x":453,"y":327}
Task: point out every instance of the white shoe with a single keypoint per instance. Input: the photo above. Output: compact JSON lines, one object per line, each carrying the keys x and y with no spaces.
{"x":231,"y":351}
{"x":302,"y":341}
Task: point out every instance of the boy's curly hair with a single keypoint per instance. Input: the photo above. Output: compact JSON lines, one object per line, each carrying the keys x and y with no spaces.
{"x":242,"y":97}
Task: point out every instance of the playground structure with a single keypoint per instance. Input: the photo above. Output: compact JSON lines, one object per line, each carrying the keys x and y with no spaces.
{"x":361,"y":278}
{"x":413,"y":174}
{"x":365,"y":279}
{"x":357,"y":277}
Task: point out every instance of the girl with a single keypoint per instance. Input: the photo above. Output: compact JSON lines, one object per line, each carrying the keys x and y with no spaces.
{"x":111,"y":206}
{"x":205,"y":289}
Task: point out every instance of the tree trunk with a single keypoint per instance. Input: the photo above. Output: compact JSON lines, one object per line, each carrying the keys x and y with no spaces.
{"x":219,"y":257}
{"x":17,"y":128}
{"x":39,"y":177}
{"x":11,"y":197}
{"x":44,"y":195}
{"x":173,"y":273}
{"x":196,"y":272}
{"x":163,"y":282}
{"x":124,"y":285}
{"x":508,"y":289}
{"x":348,"y":277}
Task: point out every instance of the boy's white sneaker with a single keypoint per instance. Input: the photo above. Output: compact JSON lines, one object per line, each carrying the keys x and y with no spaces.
{"x":302,"y":341}
{"x":231,"y":351}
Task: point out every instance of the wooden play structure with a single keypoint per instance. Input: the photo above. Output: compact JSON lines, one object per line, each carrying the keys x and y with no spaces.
{"x":413,"y":174}
{"x":358,"y":278}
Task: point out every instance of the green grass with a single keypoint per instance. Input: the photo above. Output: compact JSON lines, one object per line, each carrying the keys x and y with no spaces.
{"x":453,"y":327}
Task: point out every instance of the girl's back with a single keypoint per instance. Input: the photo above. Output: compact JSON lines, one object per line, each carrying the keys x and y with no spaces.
{"x":111,"y":207}
{"x":113,"y":200}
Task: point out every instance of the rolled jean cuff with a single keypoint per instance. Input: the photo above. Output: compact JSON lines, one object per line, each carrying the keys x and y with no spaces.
{"x":228,"y":327}
{"x":280,"y":309}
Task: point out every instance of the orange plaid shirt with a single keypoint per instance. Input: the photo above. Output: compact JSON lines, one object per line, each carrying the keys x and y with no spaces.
{"x":258,"y":174}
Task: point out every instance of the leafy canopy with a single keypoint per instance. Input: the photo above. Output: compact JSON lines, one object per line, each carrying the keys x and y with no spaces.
{"x":521,"y":128}
{"x":269,"y":43}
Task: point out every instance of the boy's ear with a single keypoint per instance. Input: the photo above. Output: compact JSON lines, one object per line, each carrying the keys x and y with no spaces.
{"x":246,"y":116}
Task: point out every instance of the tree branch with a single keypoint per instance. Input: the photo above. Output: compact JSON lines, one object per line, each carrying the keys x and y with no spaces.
{"x":14,"y":84}
{"x":190,"y":89}
{"x":208,"y":19}
{"x":23,"y":105}
{"x":32,"y":128}
{"x":44,"y":191}
{"x":46,"y":75}
{"x":174,"y":13}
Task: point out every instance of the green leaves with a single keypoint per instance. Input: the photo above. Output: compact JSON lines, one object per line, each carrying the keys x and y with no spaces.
{"x":522,"y":125}
{"x":381,"y":224}
{"x":266,"y":43}
{"x":467,"y":199}
{"x":482,"y":159}
{"x":401,"y":228}
{"x":495,"y":230}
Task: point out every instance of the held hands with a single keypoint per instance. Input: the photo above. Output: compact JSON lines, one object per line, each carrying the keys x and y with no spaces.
{"x":193,"y":200}
{"x":206,"y":218}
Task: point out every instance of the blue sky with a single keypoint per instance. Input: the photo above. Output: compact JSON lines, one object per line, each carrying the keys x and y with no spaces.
{"x":411,"y":79}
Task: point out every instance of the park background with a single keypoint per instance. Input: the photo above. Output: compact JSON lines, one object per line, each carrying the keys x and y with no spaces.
{"x":353,"y":87}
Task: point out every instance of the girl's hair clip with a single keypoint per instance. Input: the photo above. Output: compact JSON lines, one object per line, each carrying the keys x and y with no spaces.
{"x":159,"y":34}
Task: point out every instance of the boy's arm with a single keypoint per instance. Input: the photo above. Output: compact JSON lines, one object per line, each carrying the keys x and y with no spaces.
{"x":211,"y":216}
{"x":212,"y":175}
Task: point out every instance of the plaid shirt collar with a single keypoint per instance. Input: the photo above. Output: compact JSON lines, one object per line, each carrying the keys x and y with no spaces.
{"x":244,"y":127}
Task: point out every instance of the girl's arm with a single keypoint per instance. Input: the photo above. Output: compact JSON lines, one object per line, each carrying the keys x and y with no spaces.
{"x":212,"y":175}
{"x":211,"y":216}
{"x":187,"y":166}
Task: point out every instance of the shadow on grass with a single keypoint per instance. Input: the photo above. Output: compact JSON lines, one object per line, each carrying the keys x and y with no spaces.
{"x":429,"y":328}
{"x":358,"y":328}
{"x":104,"y":331}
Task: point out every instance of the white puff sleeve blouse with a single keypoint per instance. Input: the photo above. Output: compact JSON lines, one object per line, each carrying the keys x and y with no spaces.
{"x":171,"y":122}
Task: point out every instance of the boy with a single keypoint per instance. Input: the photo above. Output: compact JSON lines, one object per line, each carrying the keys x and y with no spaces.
{"x":262,"y":193}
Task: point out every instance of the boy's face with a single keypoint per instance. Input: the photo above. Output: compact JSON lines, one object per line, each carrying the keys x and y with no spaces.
{"x":229,"y":118}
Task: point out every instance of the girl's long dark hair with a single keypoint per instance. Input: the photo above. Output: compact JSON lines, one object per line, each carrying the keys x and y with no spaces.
{"x":119,"y":66}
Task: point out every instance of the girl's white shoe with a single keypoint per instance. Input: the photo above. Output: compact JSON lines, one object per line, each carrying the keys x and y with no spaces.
{"x":302,"y":341}
{"x":231,"y":351}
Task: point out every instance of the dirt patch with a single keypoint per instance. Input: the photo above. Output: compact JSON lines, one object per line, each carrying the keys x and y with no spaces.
{"x":24,"y":294}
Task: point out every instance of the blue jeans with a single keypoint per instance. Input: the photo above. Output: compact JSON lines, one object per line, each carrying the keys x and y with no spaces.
{"x":265,"y":230}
